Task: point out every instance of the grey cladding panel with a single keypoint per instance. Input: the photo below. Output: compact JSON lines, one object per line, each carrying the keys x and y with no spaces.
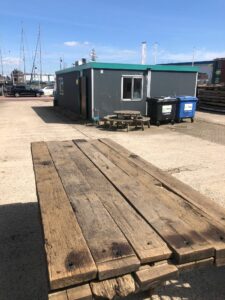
{"x":172,"y":83}
{"x":107,"y":92}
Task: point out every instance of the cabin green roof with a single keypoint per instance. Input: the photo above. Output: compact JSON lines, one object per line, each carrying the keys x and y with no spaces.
{"x":133,"y":67}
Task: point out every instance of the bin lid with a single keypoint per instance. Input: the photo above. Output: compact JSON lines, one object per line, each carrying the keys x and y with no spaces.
{"x":187,"y":98}
{"x":162,"y":99}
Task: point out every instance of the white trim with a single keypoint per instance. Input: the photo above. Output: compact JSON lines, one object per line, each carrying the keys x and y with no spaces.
{"x":149,"y":80}
{"x":138,"y":75}
{"x":130,"y":100}
{"x":132,"y":83}
{"x":92,"y":93}
{"x":196,"y":84}
{"x":121,"y":88}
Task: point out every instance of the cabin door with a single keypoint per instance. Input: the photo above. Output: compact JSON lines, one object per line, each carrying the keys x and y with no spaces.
{"x":83,"y":96}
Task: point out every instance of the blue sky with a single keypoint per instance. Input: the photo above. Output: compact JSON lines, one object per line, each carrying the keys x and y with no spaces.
{"x":70,"y":29}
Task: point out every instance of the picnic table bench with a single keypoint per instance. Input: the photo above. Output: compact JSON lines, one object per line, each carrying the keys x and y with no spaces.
{"x":114,"y":224}
{"x":127,"y":118}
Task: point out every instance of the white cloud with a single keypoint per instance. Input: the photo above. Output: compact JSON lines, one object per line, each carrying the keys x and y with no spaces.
{"x":199,"y":55}
{"x":76,"y":43}
{"x":115,"y":54}
{"x":11,"y":61}
{"x":72,"y":43}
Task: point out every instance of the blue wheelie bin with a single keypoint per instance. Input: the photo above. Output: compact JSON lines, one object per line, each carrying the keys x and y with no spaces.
{"x":186,"y":107}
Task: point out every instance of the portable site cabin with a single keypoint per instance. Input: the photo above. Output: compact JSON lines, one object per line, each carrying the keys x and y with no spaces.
{"x":97,"y":89}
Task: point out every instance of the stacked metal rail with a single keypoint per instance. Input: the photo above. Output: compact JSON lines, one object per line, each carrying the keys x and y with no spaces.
{"x":212,"y":98}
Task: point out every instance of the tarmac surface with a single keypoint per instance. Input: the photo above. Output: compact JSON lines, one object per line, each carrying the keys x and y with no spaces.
{"x":192,"y":152}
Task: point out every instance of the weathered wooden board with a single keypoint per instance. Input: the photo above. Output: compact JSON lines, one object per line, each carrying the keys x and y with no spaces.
{"x":206,"y":205}
{"x":111,"y":251}
{"x":125,"y":164}
{"x":184,"y":210}
{"x":151,"y":276}
{"x":196,"y":264}
{"x":182,"y":204}
{"x":186,"y":243}
{"x":105,"y":210}
{"x":82,"y":292}
{"x":58,"y":296}
{"x":145,"y":241}
{"x":68,"y":256}
{"x":109,"y":289}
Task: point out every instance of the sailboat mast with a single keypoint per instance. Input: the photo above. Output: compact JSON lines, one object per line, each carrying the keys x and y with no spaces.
{"x":23,"y":53}
{"x":1,"y":60}
{"x":40,"y":53}
{"x":35,"y":55}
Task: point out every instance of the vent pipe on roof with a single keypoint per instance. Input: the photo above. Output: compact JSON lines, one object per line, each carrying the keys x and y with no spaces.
{"x":143,"y":53}
{"x":155,"y":52}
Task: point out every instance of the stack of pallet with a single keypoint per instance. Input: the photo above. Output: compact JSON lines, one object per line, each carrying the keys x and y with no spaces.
{"x":115,"y":225}
{"x":212,"y":98}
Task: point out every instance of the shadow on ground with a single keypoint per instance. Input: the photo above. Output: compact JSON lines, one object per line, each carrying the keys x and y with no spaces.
{"x":211,"y":112}
{"x":23,"y":274}
{"x":51,"y":115}
{"x":201,"y":284}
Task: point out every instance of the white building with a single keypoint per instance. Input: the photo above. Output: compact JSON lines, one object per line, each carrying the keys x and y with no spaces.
{"x":43,"y":78}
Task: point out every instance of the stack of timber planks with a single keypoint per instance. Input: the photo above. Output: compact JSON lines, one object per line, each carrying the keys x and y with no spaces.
{"x":115,"y":224}
{"x":212,"y":98}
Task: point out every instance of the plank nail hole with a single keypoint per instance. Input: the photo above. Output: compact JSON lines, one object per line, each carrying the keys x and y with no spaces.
{"x":46,"y":163}
{"x":148,"y":243}
{"x":221,"y":238}
{"x":223,"y":218}
{"x":186,"y":242}
{"x":71,"y":265}
{"x":103,"y":251}
{"x":133,"y":155}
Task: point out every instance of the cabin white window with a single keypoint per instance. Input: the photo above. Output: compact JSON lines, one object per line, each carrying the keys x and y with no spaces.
{"x":61,"y":86}
{"x":132,"y":87}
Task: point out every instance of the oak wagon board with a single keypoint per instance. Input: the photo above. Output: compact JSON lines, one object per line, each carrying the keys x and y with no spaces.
{"x":114,"y":224}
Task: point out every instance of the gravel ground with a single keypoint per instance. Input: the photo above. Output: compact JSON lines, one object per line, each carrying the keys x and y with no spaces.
{"x":194,"y":153}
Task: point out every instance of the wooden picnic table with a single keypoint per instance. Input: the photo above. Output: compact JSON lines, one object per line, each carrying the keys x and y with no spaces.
{"x":127,"y":118}
{"x":127,"y":113}
{"x":114,"y":224}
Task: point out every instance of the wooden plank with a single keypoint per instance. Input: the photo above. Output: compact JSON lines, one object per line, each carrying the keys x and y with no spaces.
{"x":152,"y":276}
{"x":145,"y":241}
{"x":220,"y":262}
{"x":109,"y":289}
{"x":186,"y":243}
{"x":184,"y":210}
{"x":126,"y":165}
{"x":58,"y":296}
{"x":211,"y":208}
{"x":82,"y":292}
{"x":112,"y":253}
{"x":68,"y":256}
{"x":215,"y":235}
{"x":196,"y":264}
{"x":212,"y":231}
